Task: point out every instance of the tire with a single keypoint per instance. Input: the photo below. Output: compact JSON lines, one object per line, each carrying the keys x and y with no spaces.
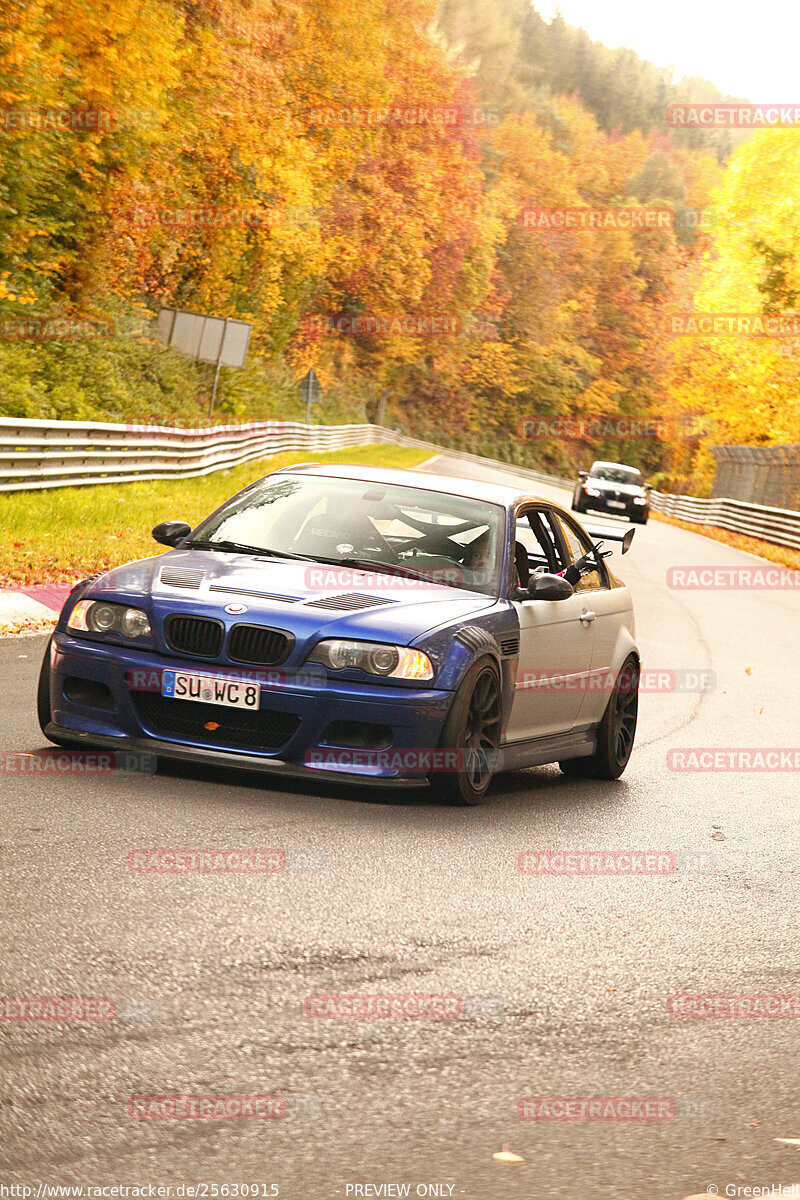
{"x":615,"y":733}
{"x":578,"y":507}
{"x":43,"y":709}
{"x":472,"y":727}
{"x":643,"y":519}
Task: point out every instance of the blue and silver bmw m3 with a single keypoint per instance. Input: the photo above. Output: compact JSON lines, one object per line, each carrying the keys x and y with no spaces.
{"x":357,"y":624}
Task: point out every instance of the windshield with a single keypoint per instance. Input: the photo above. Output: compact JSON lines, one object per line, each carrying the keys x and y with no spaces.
{"x":447,"y":539}
{"x":616,"y":474}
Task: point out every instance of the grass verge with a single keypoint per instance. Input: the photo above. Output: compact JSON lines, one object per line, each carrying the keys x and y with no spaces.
{"x":739,"y":541}
{"x":61,"y":535}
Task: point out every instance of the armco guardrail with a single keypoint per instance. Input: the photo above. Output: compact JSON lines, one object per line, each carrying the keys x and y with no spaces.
{"x":49,"y":454}
{"x":778,"y":525}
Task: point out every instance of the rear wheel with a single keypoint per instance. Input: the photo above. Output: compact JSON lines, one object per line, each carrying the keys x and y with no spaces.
{"x":615,"y":733}
{"x":472,"y":730}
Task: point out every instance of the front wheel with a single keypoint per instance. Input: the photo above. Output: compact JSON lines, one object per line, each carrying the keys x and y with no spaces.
{"x":615,"y":733}
{"x":472,"y":732}
{"x":578,"y":505}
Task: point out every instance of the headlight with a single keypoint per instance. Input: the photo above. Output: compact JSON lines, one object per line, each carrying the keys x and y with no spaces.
{"x":640,"y":500}
{"x":593,"y":492}
{"x":376,"y":658}
{"x":134,"y":623}
{"x":95,"y":616}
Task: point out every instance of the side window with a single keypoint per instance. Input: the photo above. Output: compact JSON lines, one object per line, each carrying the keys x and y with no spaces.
{"x":578,"y":544}
{"x":537,"y":533}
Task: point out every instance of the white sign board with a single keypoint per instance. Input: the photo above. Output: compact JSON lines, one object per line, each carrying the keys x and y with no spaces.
{"x":186,"y":331}
{"x":164,"y":323}
{"x":235,"y":343}
{"x":217,"y":340}
{"x":211,"y":339}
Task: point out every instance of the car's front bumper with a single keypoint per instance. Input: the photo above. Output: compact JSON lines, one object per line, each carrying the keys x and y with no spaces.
{"x":601,"y":504}
{"x":143,"y":749}
{"x":415,"y":717}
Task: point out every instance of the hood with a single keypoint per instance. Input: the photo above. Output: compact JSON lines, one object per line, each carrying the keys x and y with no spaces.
{"x":308,"y":599}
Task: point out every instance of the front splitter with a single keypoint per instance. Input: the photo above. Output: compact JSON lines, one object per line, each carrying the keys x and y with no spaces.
{"x":224,"y":758}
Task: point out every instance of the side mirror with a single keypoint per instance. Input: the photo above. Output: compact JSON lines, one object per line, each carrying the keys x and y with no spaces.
{"x":169,"y":533}
{"x":549,"y":587}
{"x":626,"y":541}
{"x":648,"y":487}
{"x":583,"y":474}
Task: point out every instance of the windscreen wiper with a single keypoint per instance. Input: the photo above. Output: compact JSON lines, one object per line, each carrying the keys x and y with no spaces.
{"x":243,"y":548}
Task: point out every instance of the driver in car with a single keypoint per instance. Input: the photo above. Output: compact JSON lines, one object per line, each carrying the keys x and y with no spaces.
{"x":477,"y":561}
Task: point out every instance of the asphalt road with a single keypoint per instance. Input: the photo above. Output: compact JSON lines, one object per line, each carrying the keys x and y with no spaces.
{"x":565,"y":980}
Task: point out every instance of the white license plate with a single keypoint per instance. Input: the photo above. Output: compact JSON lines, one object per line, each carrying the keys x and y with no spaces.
{"x":616,"y":504}
{"x":210,"y":689}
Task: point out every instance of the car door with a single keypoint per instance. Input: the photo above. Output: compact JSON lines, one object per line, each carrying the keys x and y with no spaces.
{"x":601,"y":603}
{"x":555,"y":651}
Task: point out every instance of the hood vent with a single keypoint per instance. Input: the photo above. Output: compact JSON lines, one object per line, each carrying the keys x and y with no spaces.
{"x":349,"y":601}
{"x":181,"y":577}
{"x":509,"y":647}
{"x":234,"y":591}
